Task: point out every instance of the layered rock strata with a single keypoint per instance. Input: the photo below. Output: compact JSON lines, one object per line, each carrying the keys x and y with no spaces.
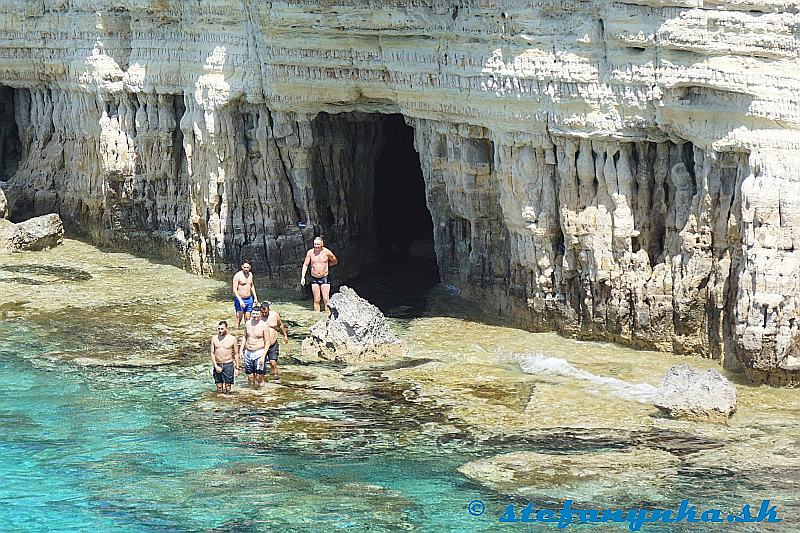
{"x":626,"y":171}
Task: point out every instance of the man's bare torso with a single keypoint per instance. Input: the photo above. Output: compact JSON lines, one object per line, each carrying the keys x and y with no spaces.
{"x":224,"y":348}
{"x":272,"y":320}
{"x":259,"y":335}
{"x":319,"y":262}
{"x":244,"y":284}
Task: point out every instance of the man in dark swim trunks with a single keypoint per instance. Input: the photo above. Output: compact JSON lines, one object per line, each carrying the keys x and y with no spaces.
{"x":320,"y":258}
{"x":224,"y":358}
{"x":273,"y":320}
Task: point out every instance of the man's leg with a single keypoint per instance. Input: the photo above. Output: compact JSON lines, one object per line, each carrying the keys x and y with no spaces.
{"x":326,"y":294}
{"x":315,"y":291}
{"x":273,"y":368}
{"x":227,"y":376}
{"x":219,"y":388}
{"x":239,"y":315}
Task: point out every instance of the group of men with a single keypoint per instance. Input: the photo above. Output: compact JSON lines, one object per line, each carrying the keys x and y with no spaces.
{"x":261,"y":325}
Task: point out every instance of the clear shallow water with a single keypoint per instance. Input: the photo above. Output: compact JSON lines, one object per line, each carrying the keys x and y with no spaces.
{"x":109,"y":422}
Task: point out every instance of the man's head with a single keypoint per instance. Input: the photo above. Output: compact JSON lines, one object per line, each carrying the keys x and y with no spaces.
{"x":256,"y":314}
{"x":264,"y":307}
{"x":246,"y":267}
{"x":222,"y":327}
{"x":319,"y":243}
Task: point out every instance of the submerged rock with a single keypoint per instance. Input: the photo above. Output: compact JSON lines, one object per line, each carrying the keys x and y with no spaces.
{"x":356,"y":331}
{"x":688,"y":393}
{"x":34,"y":234}
{"x":602,"y":477}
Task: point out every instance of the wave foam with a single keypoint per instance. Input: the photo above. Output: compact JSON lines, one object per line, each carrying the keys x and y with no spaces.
{"x":556,"y":366}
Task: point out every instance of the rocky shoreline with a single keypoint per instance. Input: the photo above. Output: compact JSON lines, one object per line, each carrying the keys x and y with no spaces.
{"x":604,"y":170}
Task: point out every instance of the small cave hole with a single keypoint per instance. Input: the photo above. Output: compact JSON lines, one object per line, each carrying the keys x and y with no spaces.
{"x":10,"y":145}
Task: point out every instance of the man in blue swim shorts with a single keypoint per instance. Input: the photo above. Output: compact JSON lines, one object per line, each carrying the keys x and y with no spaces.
{"x":244,"y":293}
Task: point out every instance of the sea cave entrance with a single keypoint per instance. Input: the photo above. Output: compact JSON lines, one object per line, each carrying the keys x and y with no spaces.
{"x":389,"y":229}
{"x":10,"y":145}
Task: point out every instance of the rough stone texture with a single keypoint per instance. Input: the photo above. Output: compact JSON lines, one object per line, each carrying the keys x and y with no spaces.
{"x":689,"y":394}
{"x":4,"y":213}
{"x":626,"y":171}
{"x":356,"y":331}
{"x":34,"y":234}
{"x":598,"y":477}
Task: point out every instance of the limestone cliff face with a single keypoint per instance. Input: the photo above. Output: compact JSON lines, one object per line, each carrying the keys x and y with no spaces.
{"x":626,"y":171}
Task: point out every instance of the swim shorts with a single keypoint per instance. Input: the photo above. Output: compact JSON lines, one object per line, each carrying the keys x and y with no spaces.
{"x":248,"y":305}
{"x":320,"y":281}
{"x":226,"y":376}
{"x":252,"y":360}
{"x":272,"y":353}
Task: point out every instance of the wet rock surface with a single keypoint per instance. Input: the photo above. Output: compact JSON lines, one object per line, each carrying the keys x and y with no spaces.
{"x":34,"y":234}
{"x":690,"y":394}
{"x":356,"y":331}
{"x":602,"y":477}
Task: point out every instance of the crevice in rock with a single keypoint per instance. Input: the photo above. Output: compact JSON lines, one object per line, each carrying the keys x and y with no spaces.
{"x":11,"y":150}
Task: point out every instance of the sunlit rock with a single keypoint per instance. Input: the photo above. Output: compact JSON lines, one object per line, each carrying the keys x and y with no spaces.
{"x":4,"y":212}
{"x":626,"y":171}
{"x":356,"y":331}
{"x":36,"y":233}
{"x":690,"y":394}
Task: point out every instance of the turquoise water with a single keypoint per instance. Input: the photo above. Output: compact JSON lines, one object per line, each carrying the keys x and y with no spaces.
{"x":109,"y":421}
{"x":127,"y":449}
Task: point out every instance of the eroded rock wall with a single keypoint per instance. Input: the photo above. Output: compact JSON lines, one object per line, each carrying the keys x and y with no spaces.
{"x":613,"y":170}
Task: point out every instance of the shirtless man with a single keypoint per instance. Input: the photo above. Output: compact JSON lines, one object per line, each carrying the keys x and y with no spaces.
{"x":244,"y":293}
{"x":274,"y":322}
{"x":257,"y":336}
{"x":320,"y":258}
{"x":224,"y":358}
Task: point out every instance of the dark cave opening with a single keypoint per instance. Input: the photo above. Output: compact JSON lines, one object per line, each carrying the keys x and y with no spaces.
{"x":10,"y":145}
{"x":404,"y":267}
{"x":401,"y":214}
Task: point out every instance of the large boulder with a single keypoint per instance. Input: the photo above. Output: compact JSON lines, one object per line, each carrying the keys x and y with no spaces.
{"x":690,"y":394}
{"x":37,"y":233}
{"x":356,"y":331}
{"x":4,"y":212}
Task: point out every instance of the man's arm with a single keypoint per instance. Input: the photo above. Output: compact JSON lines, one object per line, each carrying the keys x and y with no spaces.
{"x":305,"y":268}
{"x":237,"y":359}
{"x":332,"y":259}
{"x":213,"y":360}
{"x":253,"y":287}
{"x":244,"y":341}
{"x":265,"y":335}
{"x":235,"y":286}
{"x":283,"y":329}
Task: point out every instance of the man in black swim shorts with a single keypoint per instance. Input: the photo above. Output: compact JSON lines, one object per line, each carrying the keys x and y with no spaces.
{"x":320,"y":258}
{"x":273,"y":320}
{"x":224,"y":359}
